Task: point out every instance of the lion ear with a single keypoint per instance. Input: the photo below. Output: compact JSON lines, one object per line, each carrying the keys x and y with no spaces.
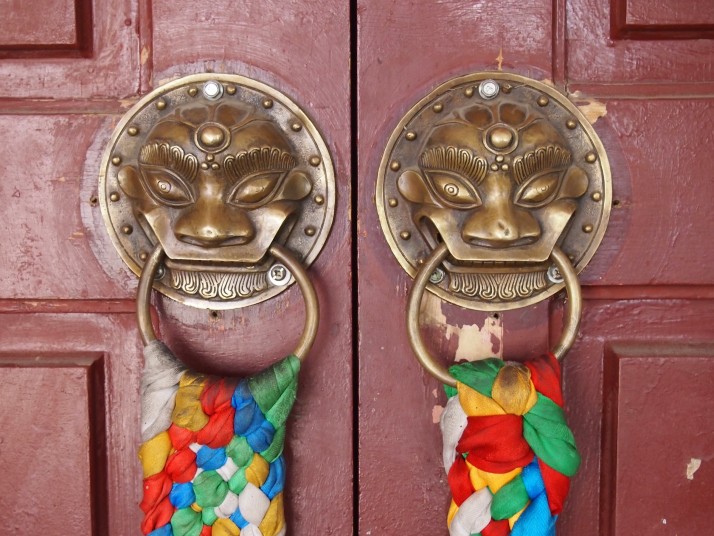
{"x":297,"y":186}
{"x":130,"y":182}
{"x":414,"y":189}
{"x":575,"y":183}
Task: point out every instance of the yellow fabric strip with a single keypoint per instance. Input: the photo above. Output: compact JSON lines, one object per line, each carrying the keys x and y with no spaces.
{"x":274,"y":519}
{"x":514,"y":391}
{"x":225,"y":527}
{"x":187,"y":410}
{"x":257,"y":472}
{"x":154,"y":453}
{"x":475,"y":404}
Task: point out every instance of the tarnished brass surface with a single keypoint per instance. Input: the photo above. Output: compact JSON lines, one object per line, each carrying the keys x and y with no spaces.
{"x":215,"y":169}
{"x":312,"y":309}
{"x":574,"y":307}
{"x":500,"y":180}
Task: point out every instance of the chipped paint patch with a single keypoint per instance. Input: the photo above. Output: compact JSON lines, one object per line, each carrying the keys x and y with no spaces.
{"x":692,"y":467}
{"x":436,"y":414}
{"x":592,"y":109}
{"x":499,"y":59}
{"x":144,"y":55}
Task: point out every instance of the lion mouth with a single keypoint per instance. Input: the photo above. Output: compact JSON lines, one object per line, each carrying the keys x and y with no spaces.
{"x":217,"y":267}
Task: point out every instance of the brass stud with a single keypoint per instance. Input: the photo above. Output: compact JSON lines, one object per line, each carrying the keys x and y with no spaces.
{"x":438,"y":107}
{"x":315,"y":161}
{"x":193,"y":91}
{"x":499,"y":158}
{"x":231,"y":90}
{"x":310,"y":230}
{"x":469,"y":92}
{"x":319,"y":199}
{"x":393,"y":202}
{"x":267,"y":103}
{"x":587,"y":228}
{"x":114,"y":196}
{"x":132,"y":131}
{"x":127,"y":229}
{"x":297,"y":127}
{"x":161,"y":104}
{"x":571,"y":124}
{"x":210,"y":157}
{"x":494,"y":167}
{"x":571,"y":257}
{"x":405,"y":235}
{"x":504,"y":167}
{"x":543,"y":100}
{"x":420,"y":262}
{"x":143,"y":255}
{"x":596,"y":196}
{"x":395,"y":166}
{"x":590,"y":157}
{"x":215,"y":166}
{"x":411,"y":135}
{"x":204,"y":165}
{"x":506,"y":88}
{"x":116,"y":160}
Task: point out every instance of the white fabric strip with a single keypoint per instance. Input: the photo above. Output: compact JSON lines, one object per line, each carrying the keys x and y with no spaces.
{"x":159,"y":384}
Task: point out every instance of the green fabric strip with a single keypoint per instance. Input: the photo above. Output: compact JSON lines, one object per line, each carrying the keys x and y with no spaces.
{"x":209,"y":516}
{"x":510,"y":499}
{"x":276,"y":447}
{"x":479,"y":375}
{"x":547,"y":433}
{"x":210,"y":489}
{"x":275,"y":389}
{"x":186,"y":522}
{"x":239,"y":451}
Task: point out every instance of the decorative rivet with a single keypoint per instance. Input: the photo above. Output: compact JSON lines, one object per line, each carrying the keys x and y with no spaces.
{"x":143,"y":255}
{"x":590,"y":157}
{"x":114,"y":196}
{"x":500,"y":137}
{"x":469,"y":92}
{"x":554,"y":275}
{"x":278,"y":275}
{"x":494,"y":167}
{"x":507,"y":88}
{"x":504,"y":167}
{"x":543,"y":100}
{"x":587,"y":228}
{"x":161,"y":104}
{"x":488,"y":89}
{"x":499,"y":158}
{"x":127,"y":229}
{"x":411,"y":135}
{"x":571,"y":124}
{"x":192,"y":91}
{"x":315,"y":161}
{"x":310,"y":230}
{"x":420,"y":262}
{"x":297,"y":127}
{"x":395,"y":166}
{"x":210,"y":157}
{"x":596,"y":196}
{"x":405,"y":235}
{"x":267,"y":103}
{"x":437,"y":276}
{"x":204,"y":165}
{"x":132,"y":131}
{"x":231,"y":90}
{"x":215,"y":166}
{"x":319,"y":199}
{"x":116,"y":160}
{"x":393,"y":202}
{"x":438,"y":107}
{"x":212,"y":136}
{"x":212,"y":90}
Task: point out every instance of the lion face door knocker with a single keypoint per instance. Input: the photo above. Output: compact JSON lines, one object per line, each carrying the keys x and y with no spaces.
{"x":215,"y":169}
{"x":500,"y":169}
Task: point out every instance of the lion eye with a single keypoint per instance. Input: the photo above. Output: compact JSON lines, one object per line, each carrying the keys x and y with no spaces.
{"x":255,"y":189}
{"x":538,"y":190}
{"x":166,"y":187}
{"x":454,"y":190}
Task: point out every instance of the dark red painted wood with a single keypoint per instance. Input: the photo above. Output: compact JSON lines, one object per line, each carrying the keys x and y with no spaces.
{"x":638,"y":19}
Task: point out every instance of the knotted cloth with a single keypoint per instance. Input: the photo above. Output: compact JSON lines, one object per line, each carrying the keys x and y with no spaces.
{"x":508,"y":451}
{"x":212,"y":448}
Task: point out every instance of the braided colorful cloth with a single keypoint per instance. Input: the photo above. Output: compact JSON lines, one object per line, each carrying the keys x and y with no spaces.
{"x":508,"y":451}
{"x":212,"y":451}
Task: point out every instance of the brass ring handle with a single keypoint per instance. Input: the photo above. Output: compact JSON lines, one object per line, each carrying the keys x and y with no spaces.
{"x":312,"y":308}
{"x":574,"y":308}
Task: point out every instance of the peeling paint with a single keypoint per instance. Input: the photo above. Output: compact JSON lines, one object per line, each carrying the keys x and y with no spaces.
{"x":436,"y":413}
{"x":592,"y":109}
{"x":499,"y":59}
{"x":692,"y":467}
{"x":144,"y":55}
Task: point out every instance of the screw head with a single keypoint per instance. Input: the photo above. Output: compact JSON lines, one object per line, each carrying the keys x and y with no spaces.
{"x":278,"y":275}
{"x":554,"y":275}
{"x":488,"y":89}
{"x":212,"y":90}
{"x":437,"y":276}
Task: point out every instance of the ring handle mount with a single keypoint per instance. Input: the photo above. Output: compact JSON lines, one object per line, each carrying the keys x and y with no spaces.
{"x":282,"y":254}
{"x":436,"y":369}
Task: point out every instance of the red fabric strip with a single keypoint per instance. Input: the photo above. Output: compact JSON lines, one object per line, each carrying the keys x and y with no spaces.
{"x":219,"y":430}
{"x":545,"y":375}
{"x":181,"y":466}
{"x":497,"y":528}
{"x":495,"y":443}
{"x":181,"y":438}
{"x":216,"y":395}
{"x":557,"y":486}
{"x":459,"y":481}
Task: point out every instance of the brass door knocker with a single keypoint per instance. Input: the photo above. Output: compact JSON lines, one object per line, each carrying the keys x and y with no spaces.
{"x":494,"y":192}
{"x":217,"y":190}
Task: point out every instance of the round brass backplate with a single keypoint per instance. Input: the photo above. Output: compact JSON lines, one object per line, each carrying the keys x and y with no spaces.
{"x":215,"y":168}
{"x":502,"y":169}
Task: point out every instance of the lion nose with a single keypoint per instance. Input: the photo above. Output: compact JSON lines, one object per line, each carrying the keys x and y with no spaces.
{"x":214,"y":225}
{"x":501,"y":227}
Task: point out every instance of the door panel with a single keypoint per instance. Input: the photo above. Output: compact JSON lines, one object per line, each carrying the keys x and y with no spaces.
{"x":647,"y":291}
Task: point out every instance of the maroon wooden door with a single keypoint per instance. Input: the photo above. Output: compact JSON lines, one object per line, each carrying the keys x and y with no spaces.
{"x":70,"y":356}
{"x":638,"y":383}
